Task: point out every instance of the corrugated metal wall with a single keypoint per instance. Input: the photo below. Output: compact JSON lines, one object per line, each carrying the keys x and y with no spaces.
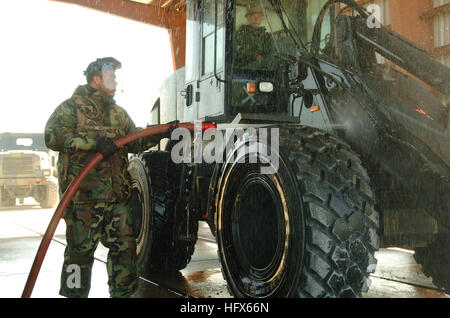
{"x":442,"y":35}
{"x":441,"y":28}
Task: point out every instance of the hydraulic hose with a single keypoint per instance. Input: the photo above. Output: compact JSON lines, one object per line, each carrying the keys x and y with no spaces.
{"x":73,"y":187}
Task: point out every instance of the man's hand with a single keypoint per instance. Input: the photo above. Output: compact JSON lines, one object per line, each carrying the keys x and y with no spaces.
{"x":172,"y":127}
{"x":106,"y":146}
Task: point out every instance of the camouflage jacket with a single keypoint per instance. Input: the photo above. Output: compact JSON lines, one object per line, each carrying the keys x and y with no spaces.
{"x":73,"y":129}
{"x":251,"y":42}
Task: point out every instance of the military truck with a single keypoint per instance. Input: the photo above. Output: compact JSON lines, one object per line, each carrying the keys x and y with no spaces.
{"x":360,"y":120}
{"x":27,"y":169}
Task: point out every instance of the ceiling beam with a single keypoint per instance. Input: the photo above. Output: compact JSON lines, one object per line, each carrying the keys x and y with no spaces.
{"x":149,"y":14}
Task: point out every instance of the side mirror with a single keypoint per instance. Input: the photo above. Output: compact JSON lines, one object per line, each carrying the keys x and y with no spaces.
{"x":302,"y":71}
{"x":308,"y":99}
{"x":188,"y":93}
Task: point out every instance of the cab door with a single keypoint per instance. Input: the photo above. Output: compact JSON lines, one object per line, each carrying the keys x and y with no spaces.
{"x":192,"y":69}
{"x":204,"y":89}
{"x":211,"y":87}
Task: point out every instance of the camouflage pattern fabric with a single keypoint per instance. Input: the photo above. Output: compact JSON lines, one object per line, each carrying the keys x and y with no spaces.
{"x":112,"y":225}
{"x":100,"y":208}
{"x":73,"y":129}
{"x":250,"y":43}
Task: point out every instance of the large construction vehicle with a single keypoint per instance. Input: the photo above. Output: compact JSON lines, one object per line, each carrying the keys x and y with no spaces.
{"x":359,"y":119}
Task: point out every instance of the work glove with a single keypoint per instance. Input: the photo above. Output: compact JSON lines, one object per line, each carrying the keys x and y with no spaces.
{"x":171,"y":129}
{"x":106,"y":146}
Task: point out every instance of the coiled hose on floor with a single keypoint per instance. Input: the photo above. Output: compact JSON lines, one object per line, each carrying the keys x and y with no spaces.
{"x":73,"y":187}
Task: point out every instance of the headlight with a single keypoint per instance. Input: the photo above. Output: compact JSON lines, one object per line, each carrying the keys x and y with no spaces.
{"x":265,"y":87}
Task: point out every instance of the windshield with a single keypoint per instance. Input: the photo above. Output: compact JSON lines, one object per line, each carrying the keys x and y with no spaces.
{"x":267,"y":30}
{"x":22,"y":142}
{"x":264,"y":28}
{"x":264,"y":31}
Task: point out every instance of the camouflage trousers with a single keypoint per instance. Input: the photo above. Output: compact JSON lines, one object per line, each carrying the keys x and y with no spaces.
{"x":86,"y":225}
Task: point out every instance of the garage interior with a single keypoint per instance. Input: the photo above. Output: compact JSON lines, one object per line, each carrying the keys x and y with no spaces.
{"x":23,"y":226}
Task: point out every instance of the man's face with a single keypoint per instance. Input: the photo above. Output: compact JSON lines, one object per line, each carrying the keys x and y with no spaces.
{"x":108,"y":83}
{"x":255,"y":19}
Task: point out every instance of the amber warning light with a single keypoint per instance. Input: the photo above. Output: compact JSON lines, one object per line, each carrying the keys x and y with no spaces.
{"x":251,"y":87}
{"x":314,"y":108}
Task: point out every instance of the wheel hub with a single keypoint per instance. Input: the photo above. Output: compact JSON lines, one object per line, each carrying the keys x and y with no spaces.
{"x":258,"y":232}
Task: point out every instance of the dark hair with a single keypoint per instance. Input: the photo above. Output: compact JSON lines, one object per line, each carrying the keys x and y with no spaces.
{"x":90,"y":75}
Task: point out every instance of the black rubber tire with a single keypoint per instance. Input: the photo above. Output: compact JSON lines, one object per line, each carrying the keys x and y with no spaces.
{"x":314,"y":231}
{"x":50,"y":195}
{"x":435,"y":261}
{"x":168,"y":235}
{"x":6,"y":200}
{"x":140,"y":204}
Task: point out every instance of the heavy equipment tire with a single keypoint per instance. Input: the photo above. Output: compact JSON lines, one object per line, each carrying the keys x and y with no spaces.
{"x":308,"y":230}
{"x":49,"y":197}
{"x":167,"y":236}
{"x":6,"y":200}
{"x":435,"y":261}
{"x":140,"y":205}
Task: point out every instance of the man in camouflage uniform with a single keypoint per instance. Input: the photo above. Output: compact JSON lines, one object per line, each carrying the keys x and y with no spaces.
{"x":253,"y":43}
{"x":254,"y":49}
{"x":81,"y":126}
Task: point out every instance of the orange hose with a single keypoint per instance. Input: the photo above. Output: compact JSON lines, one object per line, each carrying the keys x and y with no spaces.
{"x":73,"y":187}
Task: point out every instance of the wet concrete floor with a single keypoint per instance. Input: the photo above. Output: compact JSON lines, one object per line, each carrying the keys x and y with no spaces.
{"x":21,"y":229}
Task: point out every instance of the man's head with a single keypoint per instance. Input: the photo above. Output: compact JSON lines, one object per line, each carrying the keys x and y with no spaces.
{"x":100,"y":74}
{"x":254,"y":15}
